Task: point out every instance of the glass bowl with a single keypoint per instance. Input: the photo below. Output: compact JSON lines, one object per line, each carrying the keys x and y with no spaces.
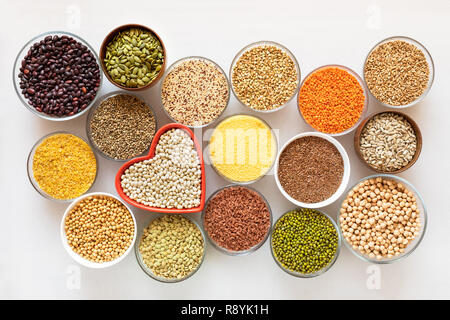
{"x":259,"y":177}
{"x":83,"y":261}
{"x":345,"y":177}
{"x":30,"y":167}
{"x":150,"y":272}
{"x":176,"y":64}
{"x":18,"y":64}
{"x":317,"y":273}
{"x":266,"y":43}
{"x":91,"y":114}
{"x":423,"y":218}
{"x":363,"y":86}
{"x":430,"y":67}
{"x":231,"y":252}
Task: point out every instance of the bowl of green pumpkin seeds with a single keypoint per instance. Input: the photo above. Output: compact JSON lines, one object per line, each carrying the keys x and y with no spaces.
{"x":305,"y":243}
{"x":133,"y":57}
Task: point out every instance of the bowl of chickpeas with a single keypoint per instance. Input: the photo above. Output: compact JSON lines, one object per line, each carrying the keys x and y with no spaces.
{"x":98,"y":230}
{"x":382,"y":219}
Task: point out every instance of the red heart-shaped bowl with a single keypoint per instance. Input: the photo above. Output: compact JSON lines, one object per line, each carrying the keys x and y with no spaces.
{"x":151,"y":155}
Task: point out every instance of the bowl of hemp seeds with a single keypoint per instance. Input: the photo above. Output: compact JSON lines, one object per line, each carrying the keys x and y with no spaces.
{"x":121,"y":126}
{"x":399,"y":72}
{"x":265,"y":76}
{"x":388,"y":142}
{"x":133,"y":57}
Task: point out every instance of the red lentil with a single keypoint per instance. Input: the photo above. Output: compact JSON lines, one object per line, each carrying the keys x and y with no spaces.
{"x":331,"y":100}
{"x":237,"y":218}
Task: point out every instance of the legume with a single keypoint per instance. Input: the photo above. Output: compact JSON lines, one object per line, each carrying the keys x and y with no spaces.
{"x":242,"y":148}
{"x":134,"y":57}
{"x":99,"y":228}
{"x":380,"y":218}
{"x":171,"y":179}
{"x":237,"y":218}
{"x":172,"y":247}
{"x":397,"y":72}
{"x":59,"y":76}
{"x":304,"y":241}
{"x":388,"y":142}
{"x":64,"y":166}
{"x":310,"y":169}
{"x":195,"y":92}
{"x":331,"y":100}
{"x":122,"y":127}
{"x":265,"y":77}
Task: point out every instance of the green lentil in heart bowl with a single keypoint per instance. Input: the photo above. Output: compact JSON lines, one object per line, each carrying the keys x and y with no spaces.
{"x":305,"y":242}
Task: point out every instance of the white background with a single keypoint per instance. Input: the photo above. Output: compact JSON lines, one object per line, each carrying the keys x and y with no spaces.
{"x":33,"y":263}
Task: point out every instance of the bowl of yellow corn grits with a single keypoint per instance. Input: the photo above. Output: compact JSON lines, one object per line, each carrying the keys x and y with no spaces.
{"x":242,"y":148}
{"x":62,"y":166}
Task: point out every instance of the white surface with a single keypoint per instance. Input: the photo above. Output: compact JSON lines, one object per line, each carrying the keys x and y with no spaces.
{"x":33,"y":262}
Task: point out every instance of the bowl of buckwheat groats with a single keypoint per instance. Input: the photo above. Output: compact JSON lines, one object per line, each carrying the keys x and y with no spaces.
{"x":98,"y":230}
{"x":382,"y":219}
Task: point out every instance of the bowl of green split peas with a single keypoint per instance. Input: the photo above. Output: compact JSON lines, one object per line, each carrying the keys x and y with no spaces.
{"x":305,"y":243}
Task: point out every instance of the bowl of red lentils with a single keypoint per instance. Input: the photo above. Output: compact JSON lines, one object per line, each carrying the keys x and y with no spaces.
{"x":61,"y":166}
{"x":265,"y":76}
{"x":332,"y":99}
{"x":382,"y":219}
{"x":98,"y":230}
{"x":398,"y":72}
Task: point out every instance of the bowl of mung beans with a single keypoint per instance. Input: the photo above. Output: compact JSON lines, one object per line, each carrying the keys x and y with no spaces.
{"x":382,"y":219}
{"x":398,"y":72}
{"x":50,"y":79}
{"x":332,"y":99}
{"x":195,"y":91}
{"x":121,"y":126}
{"x":61,"y":166}
{"x":133,"y":57}
{"x":305,"y":243}
{"x":312,"y":170}
{"x":171,"y":248}
{"x":388,"y":142}
{"x":98,"y":230}
{"x":265,"y":76}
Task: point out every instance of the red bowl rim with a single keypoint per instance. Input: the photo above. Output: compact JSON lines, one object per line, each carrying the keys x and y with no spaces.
{"x":151,"y":155}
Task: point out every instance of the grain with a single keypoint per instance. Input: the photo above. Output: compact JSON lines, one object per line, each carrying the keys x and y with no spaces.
{"x":397,"y":73}
{"x":310,"y":169}
{"x":242,"y":148}
{"x":195,"y":92}
{"x":122,"y":127}
{"x":265,"y":77}
{"x":237,"y":218}
{"x":331,"y":100}
{"x":388,"y":142}
{"x":64,"y":166}
{"x":172,"y":247}
{"x":380,"y":218}
{"x":99,"y":228}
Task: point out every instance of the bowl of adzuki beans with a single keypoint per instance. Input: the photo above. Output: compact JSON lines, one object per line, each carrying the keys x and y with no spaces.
{"x":57,"y":76}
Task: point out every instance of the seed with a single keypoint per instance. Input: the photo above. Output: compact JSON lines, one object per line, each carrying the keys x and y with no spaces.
{"x":125,"y":48}
{"x":331,"y":100}
{"x":304,"y":241}
{"x":242,"y":148}
{"x":172,"y":247}
{"x":99,"y":228}
{"x":195,"y":92}
{"x":397,"y":72}
{"x":237,"y":218}
{"x":310,"y":169}
{"x":122,"y":126}
{"x":265,"y":77}
{"x":388,"y":142}
{"x":64,"y":166}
